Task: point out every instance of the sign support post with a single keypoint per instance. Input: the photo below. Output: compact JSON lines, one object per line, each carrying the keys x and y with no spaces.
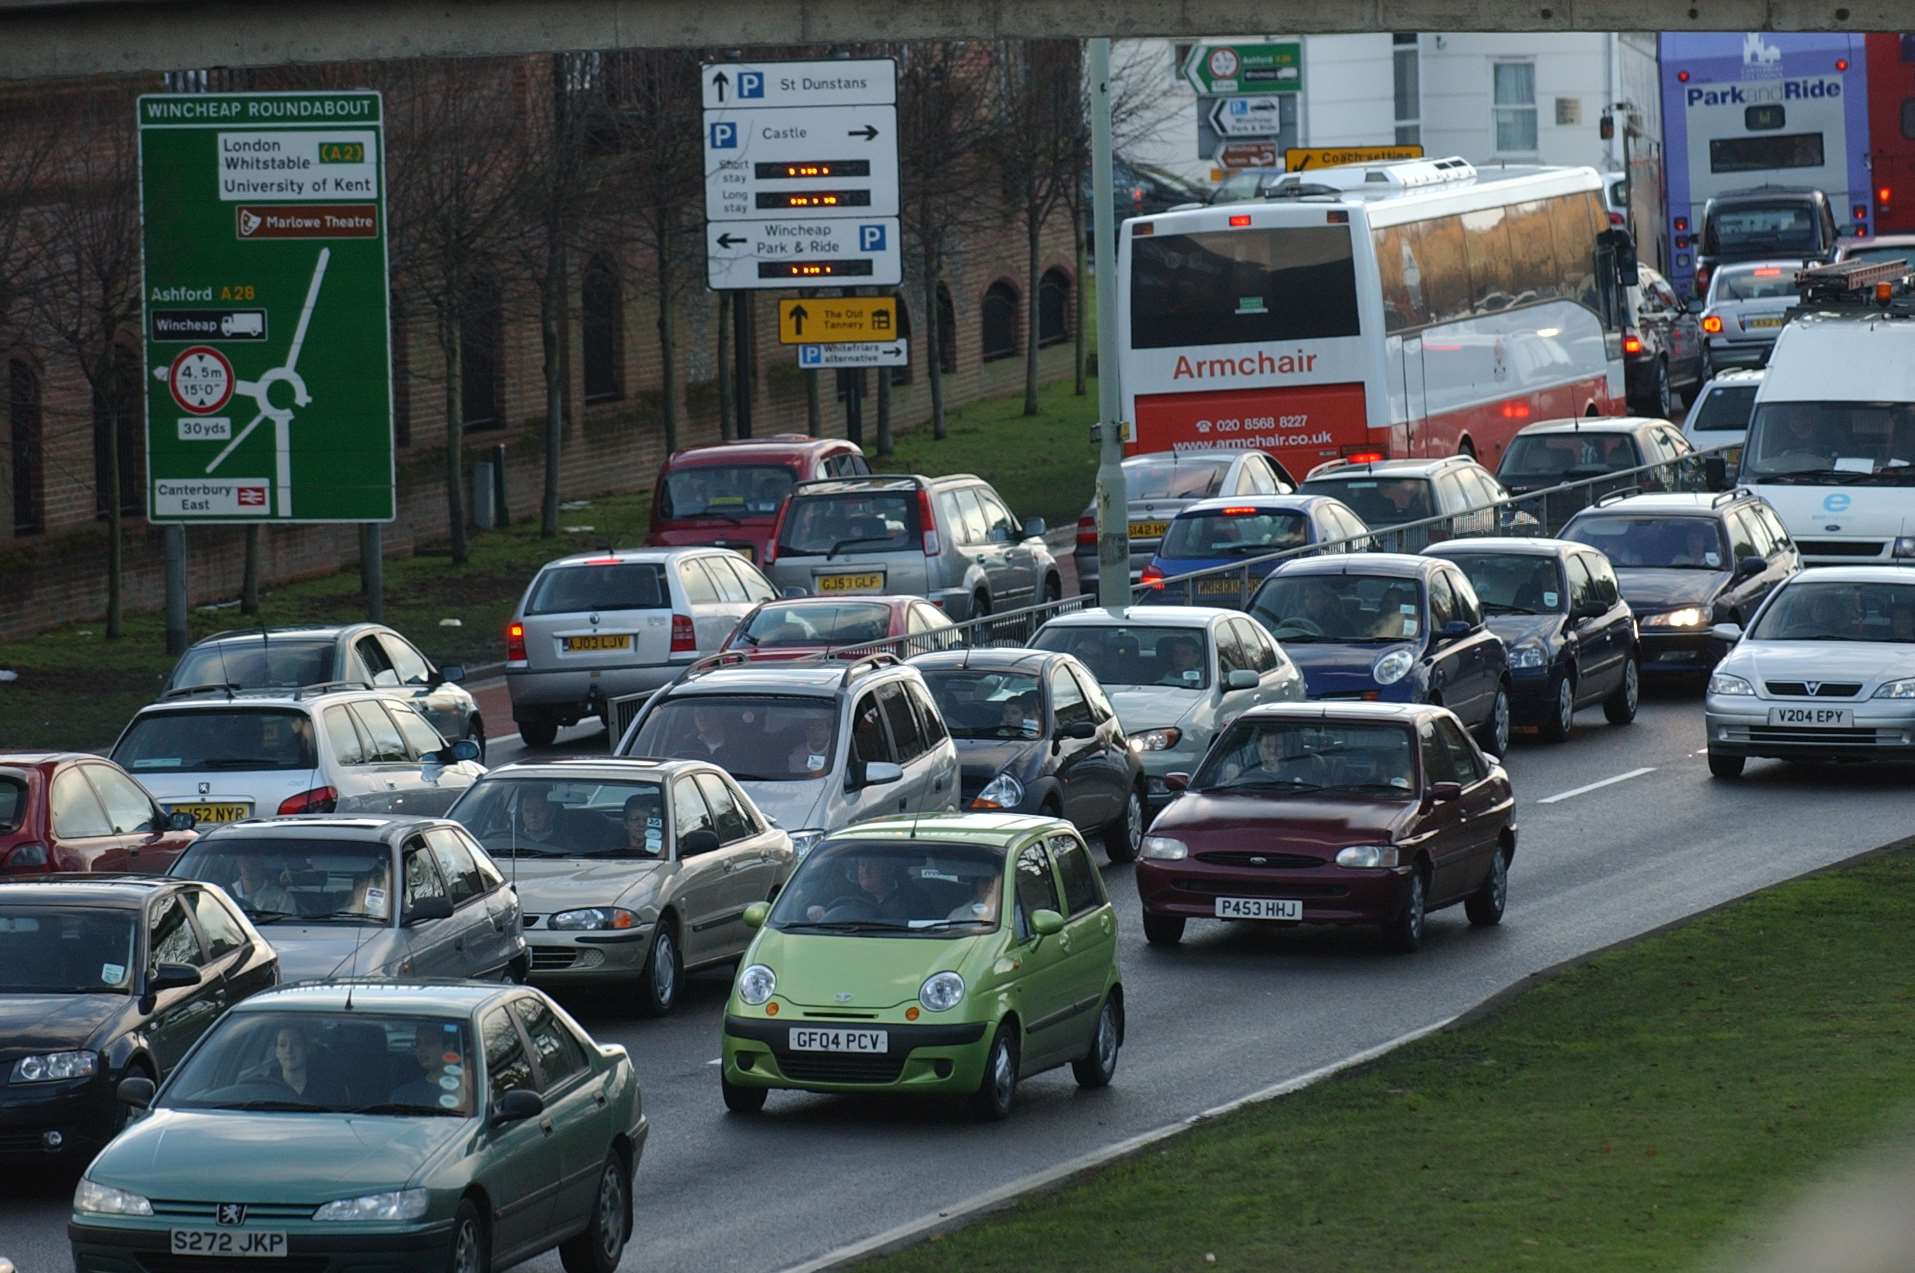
{"x":1112,"y":503}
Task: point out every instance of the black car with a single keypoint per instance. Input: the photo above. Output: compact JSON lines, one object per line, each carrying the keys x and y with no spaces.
{"x":1662,"y":347}
{"x":1578,"y":449}
{"x":102,"y":978}
{"x":1765,"y":224}
{"x":1558,"y":609}
{"x":1688,"y":562}
{"x":1035,"y":734}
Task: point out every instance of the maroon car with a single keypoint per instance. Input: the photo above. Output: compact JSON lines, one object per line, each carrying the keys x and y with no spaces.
{"x":728,"y":495}
{"x":1333,"y":813}
{"x":66,"y":811}
{"x":807,"y":627}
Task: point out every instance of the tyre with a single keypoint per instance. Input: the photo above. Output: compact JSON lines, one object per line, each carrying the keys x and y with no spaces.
{"x":469,"y":1246}
{"x":664,"y":974}
{"x":1163,"y":930}
{"x":1053,"y":589}
{"x":741,"y":1100}
{"x":997,"y":1090}
{"x":1098,"y":1066}
{"x":1721,"y":766}
{"x":1705,"y":371}
{"x":1665,"y":399}
{"x":1122,"y":837}
{"x":1485,"y":906}
{"x":1404,"y":930}
{"x":980,"y":605}
{"x":1562,"y":714}
{"x":1620,"y":707}
{"x":602,"y":1245}
{"x":475,"y":730}
{"x":1493,"y":735}
{"x":538,"y":733}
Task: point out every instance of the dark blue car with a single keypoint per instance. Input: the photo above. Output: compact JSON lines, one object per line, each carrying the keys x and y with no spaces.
{"x":1392,"y":628}
{"x":1241,"y":528}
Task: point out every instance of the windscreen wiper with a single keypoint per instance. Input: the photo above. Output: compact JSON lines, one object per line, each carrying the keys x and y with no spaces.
{"x":862,"y":539}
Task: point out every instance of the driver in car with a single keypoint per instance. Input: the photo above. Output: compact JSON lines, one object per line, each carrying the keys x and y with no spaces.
{"x":884,"y":891}
{"x":1182,"y":656}
{"x":539,"y":819}
{"x":1274,"y":764}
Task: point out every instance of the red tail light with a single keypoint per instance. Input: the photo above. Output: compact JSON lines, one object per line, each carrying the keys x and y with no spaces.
{"x":1363,"y":457}
{"x":1711,"y":324}
{"x":777,"y":532}
{"x":684,"y":640}
{"x":318,"y":800}
{"x":1087,"y":531}
{"x":1702,"y":279}
{"x":1882,"y":195}
{"x":1153,"y":576}
{"x":1615,"y":218}
{"x":928,"y":522}
{"x":515,"y":643}
{"x":1631,"y":343}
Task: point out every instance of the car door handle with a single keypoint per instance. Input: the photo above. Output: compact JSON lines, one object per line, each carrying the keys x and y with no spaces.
{"x":598,"y":1097}
{"x":730,"y":866}
{"x":545,"y":1125}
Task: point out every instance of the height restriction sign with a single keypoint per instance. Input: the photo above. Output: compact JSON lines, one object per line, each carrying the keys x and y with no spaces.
{"x":269,"y":386}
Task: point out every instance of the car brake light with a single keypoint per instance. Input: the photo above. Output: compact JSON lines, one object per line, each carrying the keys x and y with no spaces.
{"x":1363,"y":457}
{"x":1768,"y":271}
{"x":684,"y":639}
{"x":1238,"y":220}
{"x":1615,"y":218}
{"x":1882,"y":194}
{"x":27,"y":857}
{"x":1702,"y":279}
{"x":926,"y":520}
{"x":1153,"y":576}
{"x":1087,"y":531}
{"x":515,"y":643}
{"x":1711,"y":324}
{"x":1241,"y":511}
{"x":318,"y":800}
{"x":1631,"y":343}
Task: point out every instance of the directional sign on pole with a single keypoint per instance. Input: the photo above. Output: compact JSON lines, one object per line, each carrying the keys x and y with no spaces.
{"x":1247,"y":154}
{"x":1300,"y":158}
{"x":867,"y":353}
{"x":824,"y":320}
{"x":1247,"y":116}
{"x":1246,"y":68}
{"x":269,"y":387}
{"x":801,"y":173}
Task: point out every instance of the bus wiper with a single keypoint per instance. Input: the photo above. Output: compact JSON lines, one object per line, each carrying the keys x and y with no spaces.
{"x":863,"y":539}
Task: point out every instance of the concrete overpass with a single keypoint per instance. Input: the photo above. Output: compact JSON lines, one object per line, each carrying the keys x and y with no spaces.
{"x":49,"y":39}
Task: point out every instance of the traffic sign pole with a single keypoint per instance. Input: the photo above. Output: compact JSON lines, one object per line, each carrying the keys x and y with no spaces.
{"x":1112,"y":503}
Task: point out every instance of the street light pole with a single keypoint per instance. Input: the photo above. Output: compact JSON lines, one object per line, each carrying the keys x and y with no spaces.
{"x":1112,"y":503}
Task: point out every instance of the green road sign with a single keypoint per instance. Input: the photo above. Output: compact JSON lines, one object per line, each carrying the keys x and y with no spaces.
{"x":268,"y":356}
{"x":1241,"y":69}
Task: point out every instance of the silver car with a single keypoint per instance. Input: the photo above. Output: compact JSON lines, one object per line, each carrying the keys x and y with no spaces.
{"x":596,"y":625}
{"x":1743,"y":314}
{"x":1158,"y":487}
{"x":817,"y":746}
{"x":1176,"y":675}
{"x":1719,"y":417}
{"x":1825,"y":673}
{"x":630,"y":871}
{"x":368,"y":897}
{"x":951,"y":540}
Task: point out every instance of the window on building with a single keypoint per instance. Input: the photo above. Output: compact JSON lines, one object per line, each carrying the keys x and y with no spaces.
{"x":401,"y":372}
{"x":601,"y":310}
{"x":1406,"y":57}
{"x":1513,"y":86}
{"x":901,"y":375}
{"x":997,"y":327}
{"x":481,"y":346}
{"x":947,"y":331}
{"x":1053,"y":307}
{"x":26,"y":448}
{"x":119,"y":428}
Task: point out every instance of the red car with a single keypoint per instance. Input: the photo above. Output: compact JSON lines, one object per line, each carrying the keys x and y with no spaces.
{"x":806,"y":627}
{"x":729,"y":495}
{"x":1333,"y":813}
{"x":67,"y":811}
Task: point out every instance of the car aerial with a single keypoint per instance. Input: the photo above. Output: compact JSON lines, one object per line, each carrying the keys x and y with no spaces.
{"x":817,"y":746}
{"x":1825,"y":673}
{"x":1883,"y":247}
{"x":1213,"y":534}
{"x":1333,"y":813}
{"x":1176,"y":675}
{"x":366,"y":654}
{"x":1159,"y":486}
{"x":595,"y":625}
{"x":223,"y":756}
{"x":1718,"y":419}
{"x":434,"y":1124}
{"x":1763,"y":225}
{"x":843,"y":627}
{"x":938,"y":956}
{"x":1558,"y":452}
{"x":728,"y":495}
{"x":1662,"y":348}
{"x":103,"y":979}
{"x":951,"y":540}
{"x":1746,"y":307}
{"x":71,"y":811}
{"x":322,"y":888}
{"x":1557,"y":608}
{"x":1391,"y":493}
{"x":631,"y":872}
{"x":1388,"y":627}
{"x":1036,"y":734}
{"x":1685,"y":563}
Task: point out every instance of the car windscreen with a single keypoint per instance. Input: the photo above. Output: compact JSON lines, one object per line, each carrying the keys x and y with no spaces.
{"x":255,"y":664}
{"x":1766,"y":229}
{"x":1725,"y":409}
{"x":1234,"y":532}
{"x":1763,"y":283}
{"x":13,"y":802}
{"x":985,"y":703}
{"x":817,"y":623}
{"x":278,"y":878}
{"x":755,"y":738}
{"x":611,"y":585}
{"x":1134,"y":654}
{"x":733,"y":491}
{"x":360,"y":1062}
{"x":1305,"y":608}
{"x":1831,"y":443}
{"x":851,"y":524}
{"x":1647,"y":542}
{"x":55,"y":950}
{"x":1807,"y":610}
{"x":1171,"y":479}
{"x":1548,"y":455}
{"x":540,"y":817}
{"x":1380,"y":501}
{"x":1515,"y":583}
{"x":245,"y":739}
{"x":890,"y":889}
{"x":1269,"y":757}
{"x":1235,"y":287}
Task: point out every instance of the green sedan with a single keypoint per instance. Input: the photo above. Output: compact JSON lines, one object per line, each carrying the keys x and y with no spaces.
{"x":373,"y":1125}
{"x":952,"y":955}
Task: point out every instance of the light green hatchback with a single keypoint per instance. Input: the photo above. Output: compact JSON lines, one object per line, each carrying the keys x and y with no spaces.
{"x":951,"y":955}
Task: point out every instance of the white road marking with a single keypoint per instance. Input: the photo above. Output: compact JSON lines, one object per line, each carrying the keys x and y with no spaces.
{"x":1597,"y":786}
{"x":717,"y":1060}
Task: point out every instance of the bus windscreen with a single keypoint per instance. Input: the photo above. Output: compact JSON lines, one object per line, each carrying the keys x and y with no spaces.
{"x":1232,"y":287}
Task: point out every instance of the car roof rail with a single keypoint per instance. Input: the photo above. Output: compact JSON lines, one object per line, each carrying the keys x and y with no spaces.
{"x":1610,"y":497}
{"x":329,"y":687}
{"x":710,"y":663}
{"x":184,"y":691}
{"x":1731,"y":495}
{"x":869,"y":663}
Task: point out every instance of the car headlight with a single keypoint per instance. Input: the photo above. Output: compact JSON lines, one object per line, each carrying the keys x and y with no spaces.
{"x":804,"y":841}
{"x":1393,"y":667}
{"x":1155,"y":739}
{"x":51,"y":1066}
{"x":1896,"y":689}
{"x":104,"y":1200}
{"x":1001,"y":792}
{"x":1687,"y":617}
{"x":1904,"y":546}
{"x":1368,"y":856}
{"x":1528,"y":654}
{"x":593,"y":917}
{"x":941,"y":991}
{"x":1163,"y":848}
{"x":394,"y":1204}
{"x":1723,"y":683}
{"x":756,"y":983}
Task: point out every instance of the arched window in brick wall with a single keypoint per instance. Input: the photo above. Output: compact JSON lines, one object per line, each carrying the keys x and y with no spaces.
{"x":997,"y":326}
{"x":1053,"y":307}
{"x":482,"y":354}
{"x":602,"y":309}
{"x":119,"y":421}
{"x":26,"y":453}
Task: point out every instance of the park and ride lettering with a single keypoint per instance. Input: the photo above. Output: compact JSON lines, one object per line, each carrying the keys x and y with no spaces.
{"x":1261,"y":363}
{"x":1764,"y":94}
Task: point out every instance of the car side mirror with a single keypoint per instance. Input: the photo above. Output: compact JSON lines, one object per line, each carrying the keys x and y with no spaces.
{"x":1695,"y":304}
{"x":1588,"y":610}
{"x":1078,"y":729}
{"x":454,"y":752}
{"x":693,"y":843}
{"x":792,"y":591}
{"x":1729,"y":632}
{"x":180,"y":821}
{"x":1176,"y":782}
{"x":1240,"y":679}
{"x":450,"y":674}
{"x":1044,"y":922}
{"x":755,"y":914}
{"x":135,"y":1090}
{"x":1750,"y":567}
{"x":1034,"y":527}
{"x":1444,"y":792}
{"x":518,"y":1105}
{"x":172,"y":977}
{"x":428,"y":908}
{"x":880,"y":773}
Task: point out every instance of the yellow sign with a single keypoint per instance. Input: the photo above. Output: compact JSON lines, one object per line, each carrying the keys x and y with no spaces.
{"x":833,"y":320}
{"x":1300,"y":158}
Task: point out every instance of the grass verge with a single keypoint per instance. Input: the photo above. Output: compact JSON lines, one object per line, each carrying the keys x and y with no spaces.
{"x":1639,"y":1111}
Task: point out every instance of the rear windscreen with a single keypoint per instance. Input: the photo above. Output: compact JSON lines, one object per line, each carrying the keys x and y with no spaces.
{"x":1234,"y":287}
{"x":1766,"y":283}
{"x":1557,"y":454}
{"x":863,"y":522}
{"x":1380,"y":501}
{"x":13,"y":802}
{"x":252,"y":665}
{"x":1234,"y":533}
{"x":1168,"y":479}
{"x":1725,"y":410}
{"x":239,"y":739}
{"x":626,"y":585}
{"x":1762,"y":229}
{"x":725,"y":490}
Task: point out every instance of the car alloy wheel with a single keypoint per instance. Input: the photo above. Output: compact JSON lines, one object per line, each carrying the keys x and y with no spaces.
{"x":1098,"y":1067}
{"x":611,"y":1214}
{"x":468,"y":1241}
{"x":997,"y":1089}
{"x":1495,"y":732}
{"x":1665,"y":400}
{"x":1557,"y":729}
{"x":1485,"y":906}
{"x":1406,"y":929}
{"x":1122,"y":837}
{"x":1620,"y":707}
{"x":662,"y":971}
